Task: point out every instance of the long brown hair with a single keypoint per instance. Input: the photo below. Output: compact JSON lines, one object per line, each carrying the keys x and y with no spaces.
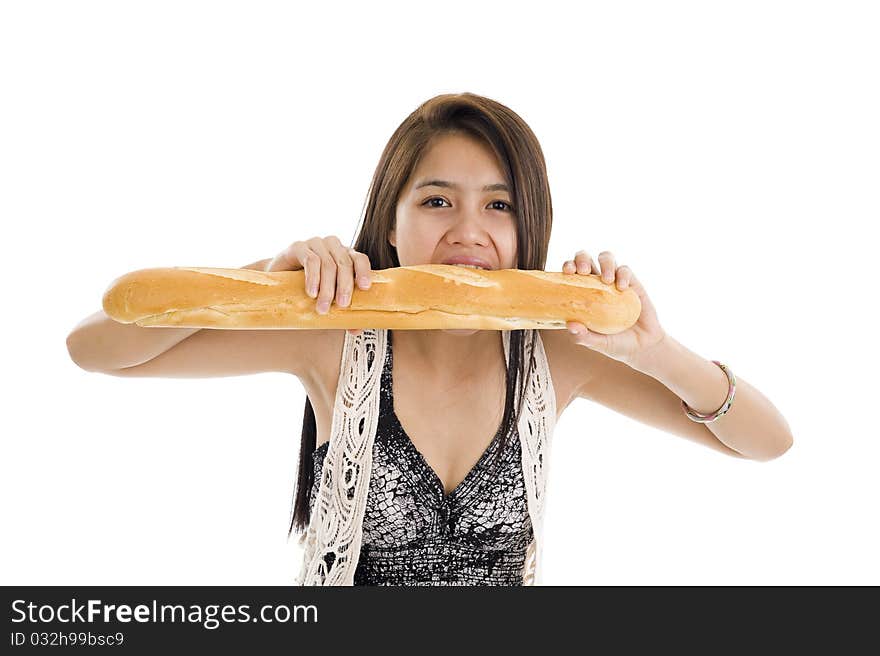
{"x":522,"y":162}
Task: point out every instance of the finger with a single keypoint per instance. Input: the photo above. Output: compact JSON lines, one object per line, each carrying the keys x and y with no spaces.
{"x":606,"y":262}
{"x":624,"y":277}
{"x":582,"y":335}
{"x":300,"y":256}
{"x":578,"y":330}
{"x":636,"y":285}
{"x":584,"y":263}
{"x":361,"y":268}
{"x":327,"y":275}
{"x":344,"y":271}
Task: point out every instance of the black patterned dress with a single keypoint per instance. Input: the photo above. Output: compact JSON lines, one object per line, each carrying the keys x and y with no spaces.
{"x":415,"y":534}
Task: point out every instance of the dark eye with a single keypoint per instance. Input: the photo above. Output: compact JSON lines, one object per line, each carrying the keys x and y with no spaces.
{"x":507,"y":205}
{"x":430,"y":199}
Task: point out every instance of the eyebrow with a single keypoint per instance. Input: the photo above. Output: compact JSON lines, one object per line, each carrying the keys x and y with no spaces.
{"x":498,"y":186}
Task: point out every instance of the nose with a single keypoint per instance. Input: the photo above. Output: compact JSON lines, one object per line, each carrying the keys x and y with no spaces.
{"x":470,"y":227}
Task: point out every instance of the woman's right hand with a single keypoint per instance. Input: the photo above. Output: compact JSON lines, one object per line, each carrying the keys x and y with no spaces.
{"x":330,"y":270}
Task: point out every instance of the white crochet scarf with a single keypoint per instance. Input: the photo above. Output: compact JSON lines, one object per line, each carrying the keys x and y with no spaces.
{"x":332,"y":542}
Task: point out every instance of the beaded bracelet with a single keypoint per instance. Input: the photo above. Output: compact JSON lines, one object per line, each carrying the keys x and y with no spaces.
{"x":731,"y":391}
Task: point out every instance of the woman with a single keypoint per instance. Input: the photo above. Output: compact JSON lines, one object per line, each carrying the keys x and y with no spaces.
{"x":423,"y":460}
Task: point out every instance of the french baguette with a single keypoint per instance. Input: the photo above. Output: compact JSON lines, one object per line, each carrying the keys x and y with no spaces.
{"x":426,"y":296}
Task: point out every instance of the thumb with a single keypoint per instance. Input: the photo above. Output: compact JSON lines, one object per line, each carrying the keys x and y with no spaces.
{"x":583,"y":335}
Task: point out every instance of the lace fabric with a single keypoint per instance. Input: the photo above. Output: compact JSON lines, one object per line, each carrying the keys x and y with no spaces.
{"x":416,"y":534}
{"x":379,"y":512}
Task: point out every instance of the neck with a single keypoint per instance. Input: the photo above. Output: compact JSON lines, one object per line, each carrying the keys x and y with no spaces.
{"x":448,"y":356}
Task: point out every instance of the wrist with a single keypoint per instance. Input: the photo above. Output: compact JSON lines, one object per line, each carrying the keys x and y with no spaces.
{"x":651,"y":361}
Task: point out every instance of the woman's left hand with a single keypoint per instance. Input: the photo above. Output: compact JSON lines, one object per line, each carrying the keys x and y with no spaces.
{"x":634,"y":342}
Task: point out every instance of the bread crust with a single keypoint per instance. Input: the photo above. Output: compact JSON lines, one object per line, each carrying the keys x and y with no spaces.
{"x":426,"y":296}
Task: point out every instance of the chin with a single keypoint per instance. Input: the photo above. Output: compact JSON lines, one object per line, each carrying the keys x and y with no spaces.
{"x":466,"y":331}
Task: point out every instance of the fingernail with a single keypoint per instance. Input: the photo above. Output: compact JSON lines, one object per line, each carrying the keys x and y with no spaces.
{"x":312,"y":291}
{"x":323,"y":307}
{"x":364,"y":282}
{"x":573,"y":330}
{"x":343,"y":301}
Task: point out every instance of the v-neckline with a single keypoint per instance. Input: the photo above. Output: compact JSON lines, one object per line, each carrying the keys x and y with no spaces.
{"x":435,"y":478}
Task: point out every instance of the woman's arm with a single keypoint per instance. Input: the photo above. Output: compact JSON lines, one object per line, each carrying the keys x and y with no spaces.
{"x":99,"y":343}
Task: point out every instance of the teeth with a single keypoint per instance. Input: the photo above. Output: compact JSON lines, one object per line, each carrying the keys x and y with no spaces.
{"x":471,"y":266}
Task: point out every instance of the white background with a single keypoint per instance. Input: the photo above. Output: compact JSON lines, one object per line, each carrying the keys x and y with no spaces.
{"x":726,"y":152}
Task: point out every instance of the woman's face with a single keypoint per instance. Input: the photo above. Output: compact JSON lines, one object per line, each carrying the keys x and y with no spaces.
{"x":436,"y":222}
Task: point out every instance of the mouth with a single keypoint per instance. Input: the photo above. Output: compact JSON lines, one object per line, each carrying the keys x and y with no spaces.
{"x":468,"y":261}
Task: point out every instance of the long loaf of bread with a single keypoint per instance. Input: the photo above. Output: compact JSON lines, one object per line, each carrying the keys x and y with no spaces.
{"x":427,"y":296}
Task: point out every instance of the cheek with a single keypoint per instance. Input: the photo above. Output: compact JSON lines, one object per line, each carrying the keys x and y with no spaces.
{"x":510,"y":250}
{"x":415,"y":229}
{"x":416,"y":244}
